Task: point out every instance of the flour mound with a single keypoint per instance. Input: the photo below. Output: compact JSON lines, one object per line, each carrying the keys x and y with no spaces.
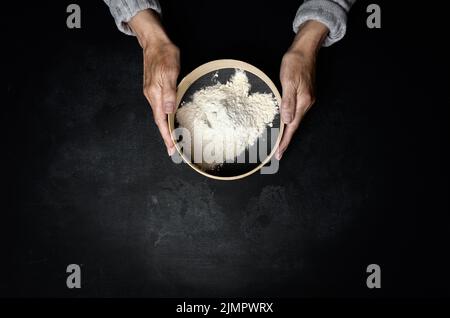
{"x":224,"y":119}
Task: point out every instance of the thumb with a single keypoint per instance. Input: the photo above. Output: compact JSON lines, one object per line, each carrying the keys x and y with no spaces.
{"x":288,"y":102}
{"x":169,"y":93}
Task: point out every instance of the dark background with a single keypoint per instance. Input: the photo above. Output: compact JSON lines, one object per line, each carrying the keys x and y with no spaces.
{"x":87,"y":179}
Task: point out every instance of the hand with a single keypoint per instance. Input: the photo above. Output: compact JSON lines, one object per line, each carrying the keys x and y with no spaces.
{"x":161,"y":69}
{"x":297,"y":78}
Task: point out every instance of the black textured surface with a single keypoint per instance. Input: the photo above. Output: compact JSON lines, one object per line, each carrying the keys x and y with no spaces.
{"x":89,"y":182}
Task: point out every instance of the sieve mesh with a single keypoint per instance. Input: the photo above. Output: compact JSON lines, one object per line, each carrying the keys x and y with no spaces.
{"x":257,"y":85}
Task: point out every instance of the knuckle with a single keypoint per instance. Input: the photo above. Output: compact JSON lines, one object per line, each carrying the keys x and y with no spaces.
{"x":153,"y":90}
{"x":288,"y":56}
{"x":286,"y":105}
{"x":306,"y":99}
{"x":145,"y":91}
{"x":175,"y":49}
{"x":293,"y":125}
{"x":159,"y":121}
{"x":286,"y":110}
{"x":150,"y":90}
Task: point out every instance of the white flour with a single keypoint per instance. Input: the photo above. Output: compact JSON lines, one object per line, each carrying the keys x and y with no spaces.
{"x":226,"y":118}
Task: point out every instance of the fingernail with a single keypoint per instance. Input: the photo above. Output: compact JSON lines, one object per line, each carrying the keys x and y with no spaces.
{"x":168,"y":107}
{"x":278,"y":155}
{"x":171,"y":151}
{"x":287,"y":118}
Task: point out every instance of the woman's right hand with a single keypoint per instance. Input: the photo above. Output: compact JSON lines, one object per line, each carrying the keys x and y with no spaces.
{"x":161,"y":69}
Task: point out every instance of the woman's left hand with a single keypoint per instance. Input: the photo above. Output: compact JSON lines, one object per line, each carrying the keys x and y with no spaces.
{"x":297,"y":78}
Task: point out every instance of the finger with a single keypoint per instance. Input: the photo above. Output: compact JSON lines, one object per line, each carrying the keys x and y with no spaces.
{"x":288,"y":103}
{"x":288,"y":133}
{"x":161,"y":122}
{"x":154,"y":97}
{"x":169,"y":91}
{"x":304,"y":102}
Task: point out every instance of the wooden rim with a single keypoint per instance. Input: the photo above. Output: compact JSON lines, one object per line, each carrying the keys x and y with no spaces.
{"x":206,"y":68}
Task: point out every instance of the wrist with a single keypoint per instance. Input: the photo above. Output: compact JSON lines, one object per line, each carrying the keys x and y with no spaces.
{"x":309,"y":38}
{"x":148,"y":28}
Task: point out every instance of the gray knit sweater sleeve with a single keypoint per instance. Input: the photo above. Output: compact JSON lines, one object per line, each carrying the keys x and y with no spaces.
{"x":124,"y":10}
{"x":332,"y":13}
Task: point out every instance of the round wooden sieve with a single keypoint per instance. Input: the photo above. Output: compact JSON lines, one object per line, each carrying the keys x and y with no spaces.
{"x":208,"y":74}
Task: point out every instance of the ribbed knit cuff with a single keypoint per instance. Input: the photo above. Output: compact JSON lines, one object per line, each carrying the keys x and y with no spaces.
{"x":327,"y":12}
{"x":124,"y":10}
